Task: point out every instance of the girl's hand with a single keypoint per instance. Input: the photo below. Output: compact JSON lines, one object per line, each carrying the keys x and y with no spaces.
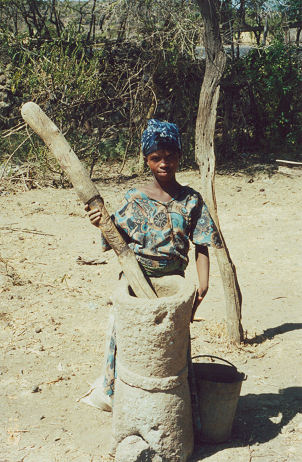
{"x":94,"y":215}
{"x":199,"y":296}
{"x":202,"y":292}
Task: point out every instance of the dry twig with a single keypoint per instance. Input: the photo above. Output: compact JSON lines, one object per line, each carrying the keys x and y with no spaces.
{"x":24,"y":230}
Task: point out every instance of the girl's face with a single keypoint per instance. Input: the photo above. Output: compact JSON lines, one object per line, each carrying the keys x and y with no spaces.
{"x":163,"y":164}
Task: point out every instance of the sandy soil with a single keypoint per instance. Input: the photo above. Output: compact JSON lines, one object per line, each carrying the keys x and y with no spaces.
{"x":54,"y":313}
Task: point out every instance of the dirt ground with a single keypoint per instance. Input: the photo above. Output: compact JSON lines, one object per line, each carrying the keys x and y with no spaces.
{"x":54,"y":311}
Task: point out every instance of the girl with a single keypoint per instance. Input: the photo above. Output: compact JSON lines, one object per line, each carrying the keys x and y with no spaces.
{"x":157,"y":221}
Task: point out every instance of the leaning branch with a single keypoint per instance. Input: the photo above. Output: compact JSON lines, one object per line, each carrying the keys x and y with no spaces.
{"x":88,"y":193}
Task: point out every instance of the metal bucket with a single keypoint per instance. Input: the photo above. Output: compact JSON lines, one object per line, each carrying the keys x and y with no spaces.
{"x":218,"y":388}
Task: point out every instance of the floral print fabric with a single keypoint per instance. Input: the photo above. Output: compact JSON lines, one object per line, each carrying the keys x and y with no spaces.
{"x":110,"y":370}
{"x":159,"y":233}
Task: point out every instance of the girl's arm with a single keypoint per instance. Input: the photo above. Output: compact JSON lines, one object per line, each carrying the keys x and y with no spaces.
{"x":203,"y":267}
{"x":120,"y":222}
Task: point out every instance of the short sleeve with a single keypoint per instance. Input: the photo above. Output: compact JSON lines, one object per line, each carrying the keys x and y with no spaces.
{"x":204,"y":231}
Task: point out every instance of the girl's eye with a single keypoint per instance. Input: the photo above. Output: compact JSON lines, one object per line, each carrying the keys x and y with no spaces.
{"x":171,"y":157}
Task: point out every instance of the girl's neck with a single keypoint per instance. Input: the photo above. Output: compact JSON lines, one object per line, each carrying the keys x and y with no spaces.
{"x":170,"y":187}
{"x":162,"y":191}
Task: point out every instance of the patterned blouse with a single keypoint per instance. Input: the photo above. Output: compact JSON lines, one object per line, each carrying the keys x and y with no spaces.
{"x":159,"y":232}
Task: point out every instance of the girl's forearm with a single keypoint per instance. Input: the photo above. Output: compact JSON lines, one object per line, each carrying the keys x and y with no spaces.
{"x":203,"y":268}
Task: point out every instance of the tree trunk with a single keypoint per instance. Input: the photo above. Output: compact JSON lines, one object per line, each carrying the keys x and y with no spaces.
{"x":205,"y":157}
{"x":265,"y":32}
{"x":299,"y":29}
{"x":92,"y":23}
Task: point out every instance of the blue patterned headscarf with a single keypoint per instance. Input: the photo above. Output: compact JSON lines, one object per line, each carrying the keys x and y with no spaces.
{"x":160,"y":135}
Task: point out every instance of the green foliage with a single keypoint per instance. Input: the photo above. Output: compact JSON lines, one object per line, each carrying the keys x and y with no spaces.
{"x":277,"y":92}
{"x":292,"y":9}
{"x":266,"y":87}
{"x":100,"y":96}
{"x":99,"y":85}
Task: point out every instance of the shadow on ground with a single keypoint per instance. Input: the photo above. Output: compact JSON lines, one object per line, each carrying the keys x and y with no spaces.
{"x":248,"y":168}
{"x":270,"y":333}
{"x":253,"y":422}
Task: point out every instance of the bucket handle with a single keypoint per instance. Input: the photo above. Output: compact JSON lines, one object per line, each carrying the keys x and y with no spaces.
{"x":221,"y":359}
{"x":216,"y":357}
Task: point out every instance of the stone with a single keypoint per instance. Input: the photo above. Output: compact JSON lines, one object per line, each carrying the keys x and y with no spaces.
{"x":134,"y":449}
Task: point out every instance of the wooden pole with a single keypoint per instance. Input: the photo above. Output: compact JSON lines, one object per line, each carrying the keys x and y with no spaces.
{"x":88,"y":193}
{"x":205,"y":157}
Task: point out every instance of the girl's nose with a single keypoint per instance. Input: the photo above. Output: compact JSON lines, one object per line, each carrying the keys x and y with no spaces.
{"x":163,"y":163}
